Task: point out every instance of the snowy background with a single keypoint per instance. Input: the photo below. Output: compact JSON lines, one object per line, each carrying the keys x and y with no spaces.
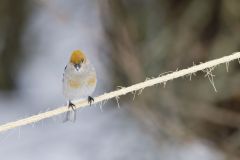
{"x":53,"y":30}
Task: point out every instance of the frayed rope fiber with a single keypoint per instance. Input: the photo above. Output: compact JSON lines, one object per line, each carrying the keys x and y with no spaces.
{"x":122,"y":91}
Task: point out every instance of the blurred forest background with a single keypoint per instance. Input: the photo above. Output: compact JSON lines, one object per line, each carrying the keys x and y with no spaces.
{"x":129,"y":41}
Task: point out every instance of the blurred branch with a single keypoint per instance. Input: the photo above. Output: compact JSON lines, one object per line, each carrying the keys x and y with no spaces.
{"x":124,"y":91}
{"x":13,"y":16}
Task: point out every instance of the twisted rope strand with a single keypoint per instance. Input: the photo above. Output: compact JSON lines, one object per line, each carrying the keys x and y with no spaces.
{"x":122,"y":91}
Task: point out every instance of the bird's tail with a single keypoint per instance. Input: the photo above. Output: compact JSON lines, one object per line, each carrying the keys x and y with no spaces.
{"x":70,"y":116}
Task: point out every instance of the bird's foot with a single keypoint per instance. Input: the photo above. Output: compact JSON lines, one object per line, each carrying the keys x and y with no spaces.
{"x":90,"y":100}
{"x":71,"y":105}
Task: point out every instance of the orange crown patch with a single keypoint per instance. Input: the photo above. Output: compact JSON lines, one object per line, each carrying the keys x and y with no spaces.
{"x":77,"y":57}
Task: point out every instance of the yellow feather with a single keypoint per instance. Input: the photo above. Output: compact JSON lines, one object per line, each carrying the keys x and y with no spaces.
{"x":77,"y":57}
{"x":92,"y":81}
{"x":74,"y":84}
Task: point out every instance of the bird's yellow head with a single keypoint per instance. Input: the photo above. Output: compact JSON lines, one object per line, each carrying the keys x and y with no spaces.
{"x":77,"y":59}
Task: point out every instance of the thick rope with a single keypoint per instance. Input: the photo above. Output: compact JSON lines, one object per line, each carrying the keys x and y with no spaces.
{"x":123,"y":91}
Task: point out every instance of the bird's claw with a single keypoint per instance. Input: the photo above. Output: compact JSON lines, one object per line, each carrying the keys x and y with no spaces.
{"x":71,"y":105}
{"x":90,"y":100}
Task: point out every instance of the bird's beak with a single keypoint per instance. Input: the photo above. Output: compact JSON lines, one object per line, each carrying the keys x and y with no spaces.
{"x":77,"y":66}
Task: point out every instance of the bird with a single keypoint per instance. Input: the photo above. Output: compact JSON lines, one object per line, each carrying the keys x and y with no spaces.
{"x":79,"y":81}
